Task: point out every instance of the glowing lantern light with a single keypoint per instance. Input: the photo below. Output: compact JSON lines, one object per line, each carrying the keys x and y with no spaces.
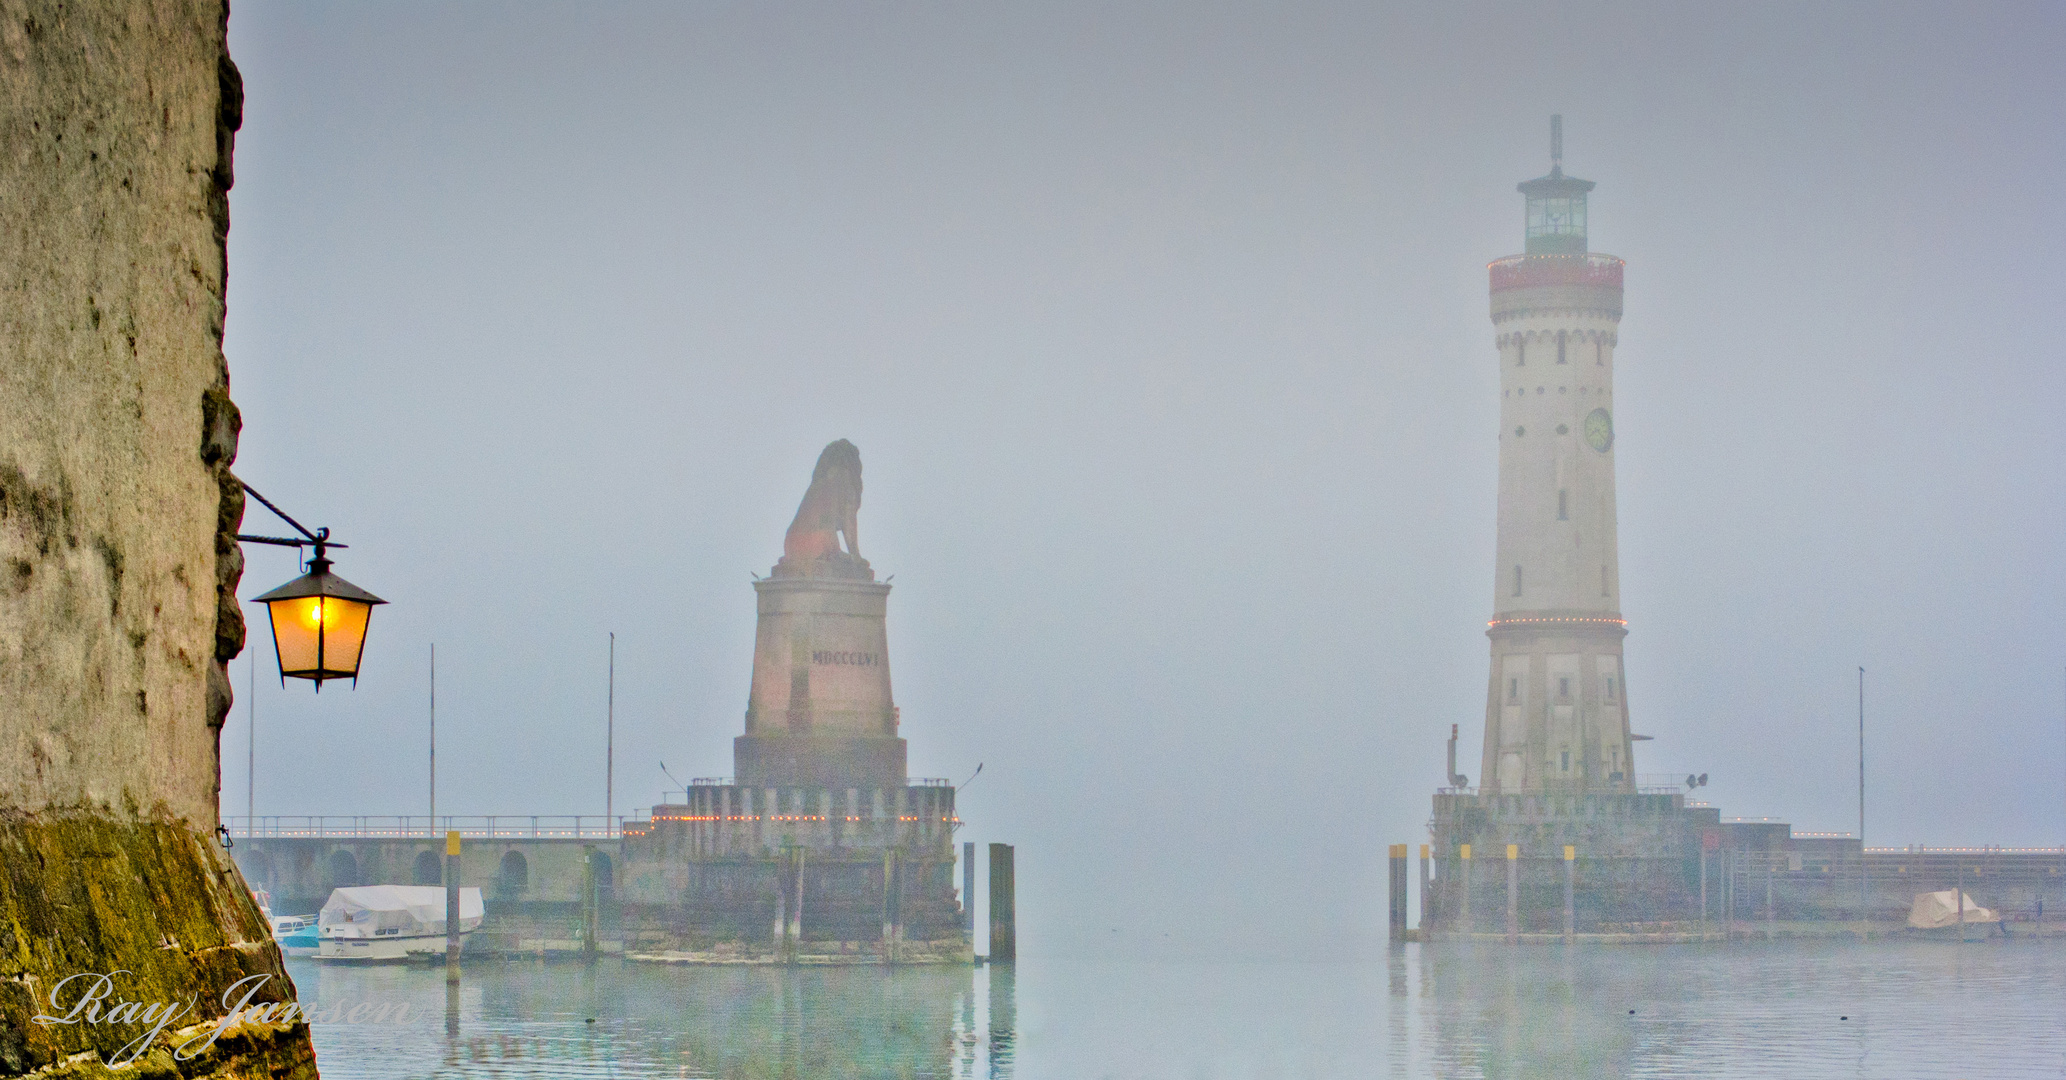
{"x":319,"y":619}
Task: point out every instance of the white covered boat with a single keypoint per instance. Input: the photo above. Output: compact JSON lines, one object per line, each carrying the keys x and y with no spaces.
{"x":390,"y":922}
{"x":1937,"y":910}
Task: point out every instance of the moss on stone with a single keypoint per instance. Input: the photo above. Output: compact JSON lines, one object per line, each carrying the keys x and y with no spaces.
{"x":82,"y":893}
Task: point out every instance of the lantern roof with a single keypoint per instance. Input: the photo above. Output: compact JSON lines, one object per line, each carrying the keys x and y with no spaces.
{"x":319,"y":582}
{"x":1555,"y":185}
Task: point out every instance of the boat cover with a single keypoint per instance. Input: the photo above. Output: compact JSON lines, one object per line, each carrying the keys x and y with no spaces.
{"x":1935,"y":909}
{"x":365,"y":911}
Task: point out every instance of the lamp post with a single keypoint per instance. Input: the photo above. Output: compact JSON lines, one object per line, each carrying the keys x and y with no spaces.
{"x":319,"y":619}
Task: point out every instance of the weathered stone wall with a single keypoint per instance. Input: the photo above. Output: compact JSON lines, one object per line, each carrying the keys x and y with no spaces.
{"x":116,"y":430}
{"x":117,"y":516}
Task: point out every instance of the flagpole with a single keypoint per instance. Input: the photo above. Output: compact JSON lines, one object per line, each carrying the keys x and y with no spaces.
{"x":610,"y":744}
{"x":433,"y":738}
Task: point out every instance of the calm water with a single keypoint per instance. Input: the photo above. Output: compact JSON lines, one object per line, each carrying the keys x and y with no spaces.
{"x":1914,"y":1009}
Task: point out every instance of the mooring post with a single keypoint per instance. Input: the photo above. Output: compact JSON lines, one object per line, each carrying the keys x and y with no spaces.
{"x":1398,"y":893}
{"x":780,"y":932}
{"x":588,"y":901}
{"x":1463,"y":878}
{"x":1570,"y":893}
{"x":1004,"y":947}
{"x":1425,"y":891}
{"x":968,"y":890}
{"x":1960,"y":889}
{"x":1513,"y":893}
{"x":1721,"y":863}
{"x":796,"y":908}
{"x":889,"y":906}
{"x":1703,"y":893}
{"x":452,"y":907}
{"x":1771,"y":928}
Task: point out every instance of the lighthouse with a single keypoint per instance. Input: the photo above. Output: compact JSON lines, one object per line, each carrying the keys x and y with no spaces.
{"x":1556,"y":712}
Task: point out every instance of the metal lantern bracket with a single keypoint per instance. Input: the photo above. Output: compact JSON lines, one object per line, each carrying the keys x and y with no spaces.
{"x":319,"y":539}
{"x":318,"y":582}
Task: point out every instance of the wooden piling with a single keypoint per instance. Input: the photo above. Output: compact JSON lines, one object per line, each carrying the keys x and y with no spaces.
{"x":1570,"y":893}
{"x":588,"y":920}
{"x":1960,"y":888}
{"x":1425,"y":923}
{"x":1703,"y":893}
{"x":1771,"y":916}
{"x":968,"y":889}
{"x":1004,"y":948}
{"x":892,"y":871}
{"x":795,"y":933}
{"x":1463,"y":880}
{"x":452,"y":907}
{"x":1398,"y":893}
{"x":1513,"y":893}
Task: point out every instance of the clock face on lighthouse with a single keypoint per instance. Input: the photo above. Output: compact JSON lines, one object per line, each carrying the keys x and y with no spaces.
{"x":1599,"y":430}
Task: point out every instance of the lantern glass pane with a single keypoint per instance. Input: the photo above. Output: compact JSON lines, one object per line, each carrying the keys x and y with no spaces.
{"x":294,"y":632}
{"x":343,"y":625}
{"x":344,"y":634}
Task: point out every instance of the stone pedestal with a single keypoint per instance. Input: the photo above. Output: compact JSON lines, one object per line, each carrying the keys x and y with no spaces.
{"x":820,"y":714}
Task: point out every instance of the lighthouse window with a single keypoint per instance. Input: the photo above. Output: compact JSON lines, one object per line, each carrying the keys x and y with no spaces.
{"x":1560,"y":346}
{"x":1520,"y":354}
{"x":1564,"y":687}
{"x":1513,"y":691}
{"x":1599,"y":358}
{"x":1563,"y":508}
{"x":1567,"y":761}
{"x":1517,"y":581}
{"x":1603,"y":580}
{"x":1610,"y":688}
{"x":1520,"y":431}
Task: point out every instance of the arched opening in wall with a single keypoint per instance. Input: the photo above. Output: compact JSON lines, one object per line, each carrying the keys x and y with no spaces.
{"x":1520,"y":352}
{"x":513,"y":877}
{"x":1560,"y":346}
{"x":1517,"y":581}
{"x":344,"y":869}
{"x":605,"y":876}
{"x":429,"y":869}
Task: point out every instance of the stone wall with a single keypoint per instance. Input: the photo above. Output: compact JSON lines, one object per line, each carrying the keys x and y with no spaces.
{"x":117,"y":512}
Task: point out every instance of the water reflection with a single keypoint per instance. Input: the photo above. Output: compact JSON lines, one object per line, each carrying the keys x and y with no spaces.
{"x":611,"y":1019}
{"x":1004,"y":1020}
{"x":1809,"y":1009}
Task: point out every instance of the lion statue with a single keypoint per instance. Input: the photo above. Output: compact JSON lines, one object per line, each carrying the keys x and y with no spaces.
{"x":830,"y":507}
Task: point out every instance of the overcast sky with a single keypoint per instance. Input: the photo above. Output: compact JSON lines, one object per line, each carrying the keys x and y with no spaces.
{"x":1162,"y":330}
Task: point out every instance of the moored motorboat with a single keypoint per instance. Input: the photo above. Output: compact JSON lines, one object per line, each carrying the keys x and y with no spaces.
{"x":390,"y":922}
{"x":296,"y":934}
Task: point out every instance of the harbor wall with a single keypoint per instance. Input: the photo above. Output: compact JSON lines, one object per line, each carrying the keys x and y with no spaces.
{"x":1650,"y":863}
{"x":753,"y":873}
{"x":118,"y":512}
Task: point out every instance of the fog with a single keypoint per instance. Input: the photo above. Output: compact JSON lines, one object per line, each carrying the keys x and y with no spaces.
{"x":1162,"y":331}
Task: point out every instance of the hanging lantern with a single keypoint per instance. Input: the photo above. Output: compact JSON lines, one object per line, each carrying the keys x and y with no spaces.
{"x":319,"y":619}
{"x":319,"y":625}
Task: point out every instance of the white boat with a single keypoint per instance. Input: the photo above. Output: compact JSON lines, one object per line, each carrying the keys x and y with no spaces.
{"x":390,"y":922}
{"x":1935,"y":911}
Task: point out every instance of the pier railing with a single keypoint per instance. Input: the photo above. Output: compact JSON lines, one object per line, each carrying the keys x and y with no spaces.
{"x":382,"y":827}
{"x":726,"y":781}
